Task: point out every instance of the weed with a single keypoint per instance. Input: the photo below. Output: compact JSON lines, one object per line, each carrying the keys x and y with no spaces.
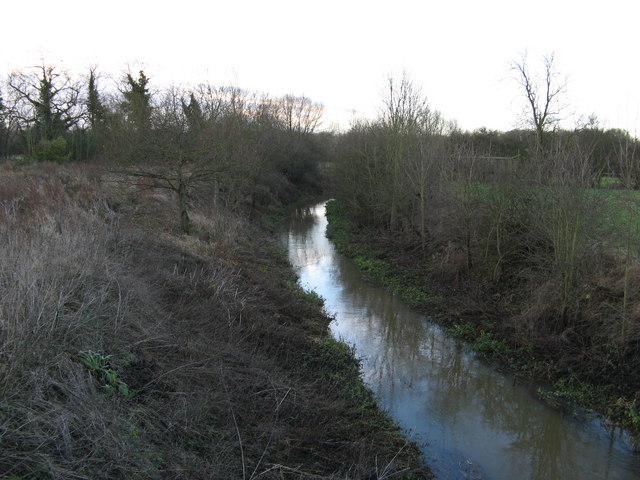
{"x":488,"y":345}
{"x":309,"y":297}
{"x":465,"y":331}
{"x":373,"y":267}
{"x":100,"y":365}
{"x":312,"y":297}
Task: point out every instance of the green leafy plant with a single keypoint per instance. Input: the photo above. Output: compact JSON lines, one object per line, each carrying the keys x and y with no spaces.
{"x":100,"y":365}
{"x":55,"y":150}
{"x":466,"y":331}
{"x":488,"y":345}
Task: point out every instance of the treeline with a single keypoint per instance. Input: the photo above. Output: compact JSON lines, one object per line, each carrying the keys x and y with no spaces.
{"x":609,"y":150}
{"x":249,"y":146}
{"x":521,"y":218}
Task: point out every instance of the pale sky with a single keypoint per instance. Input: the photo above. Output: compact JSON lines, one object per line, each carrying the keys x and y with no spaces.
{"x":339,"y":53}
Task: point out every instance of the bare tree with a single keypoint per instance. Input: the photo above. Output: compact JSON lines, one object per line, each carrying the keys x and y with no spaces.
{"x":423,"y":165}
{"x":180,"y":150}
{"x":627,"y":161}
{"x":543,"y":96}
{"x":300,"y":114}
{"x":404,"y":108}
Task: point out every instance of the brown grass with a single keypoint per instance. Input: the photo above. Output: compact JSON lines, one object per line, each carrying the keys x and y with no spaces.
{"x":224,"y":356}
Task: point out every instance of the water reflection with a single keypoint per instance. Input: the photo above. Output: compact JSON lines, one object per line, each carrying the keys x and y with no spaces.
{"x":473,"y":422}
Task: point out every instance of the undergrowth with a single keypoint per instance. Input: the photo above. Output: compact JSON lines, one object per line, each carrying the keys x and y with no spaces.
{"x":481,"y":323}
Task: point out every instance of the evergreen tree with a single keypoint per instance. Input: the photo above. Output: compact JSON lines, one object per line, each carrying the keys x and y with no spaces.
{"x":193,"y":113}
{"x":137,"y":102}
{"x":96,"y":111}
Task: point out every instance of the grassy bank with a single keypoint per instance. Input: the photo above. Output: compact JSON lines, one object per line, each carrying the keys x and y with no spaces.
{"x":482,"y":316}
{"x":130,"y":350}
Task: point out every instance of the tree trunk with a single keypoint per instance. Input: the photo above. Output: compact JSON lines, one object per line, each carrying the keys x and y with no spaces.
{"x":184,"y":214}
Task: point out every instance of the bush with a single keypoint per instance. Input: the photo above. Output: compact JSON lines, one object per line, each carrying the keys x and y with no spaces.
{"x":56,"y":150}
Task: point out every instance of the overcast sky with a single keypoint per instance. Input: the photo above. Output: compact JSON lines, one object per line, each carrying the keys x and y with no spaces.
{"x":339,"y":52}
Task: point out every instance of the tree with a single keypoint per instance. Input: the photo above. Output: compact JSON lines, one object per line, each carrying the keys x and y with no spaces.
{"x":360,"y":173}
{"x":180,"y":151}
{"x":96,"y":111}
{"x":295,"y":138}
{"x":130,"y":131}
{"x":404,"y":110}
{"x":46,"y":102}
{"x":543,"y":96}
{"x":626,"y":161}
{"x":299,"y":114}
{"x":137,"y":101}
{"x":423,"y":165}
{"x":193,"y":113}
{"x":3,"y":128}
{"x":91,"y":139}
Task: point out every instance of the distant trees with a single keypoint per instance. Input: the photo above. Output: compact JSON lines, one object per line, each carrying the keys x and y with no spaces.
{"x":511,"y":213}
{"x":238,"y":146}
{"x":299,"y":114}
{"x":625,"y":161}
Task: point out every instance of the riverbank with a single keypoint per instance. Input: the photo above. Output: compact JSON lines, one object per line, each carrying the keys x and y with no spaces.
{"x":130,"y":350}
{"x":429,"y":284}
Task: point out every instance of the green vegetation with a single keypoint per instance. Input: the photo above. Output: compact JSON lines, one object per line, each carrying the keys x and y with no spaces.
{"x":100,"y":365}
{"x":55,"y":150}
{"x":373,"y":262}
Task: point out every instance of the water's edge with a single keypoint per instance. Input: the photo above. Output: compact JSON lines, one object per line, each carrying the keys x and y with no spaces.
{"x":471,"y":421}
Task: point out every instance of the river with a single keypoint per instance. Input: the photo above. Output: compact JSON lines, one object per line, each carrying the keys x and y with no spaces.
{"x":470,"y":421}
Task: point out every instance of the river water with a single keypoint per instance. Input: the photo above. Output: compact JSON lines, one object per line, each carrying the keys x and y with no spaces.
{"x":470,"y":421}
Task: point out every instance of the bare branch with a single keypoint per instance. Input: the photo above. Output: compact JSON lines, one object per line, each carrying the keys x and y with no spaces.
{"x":542,"y":96}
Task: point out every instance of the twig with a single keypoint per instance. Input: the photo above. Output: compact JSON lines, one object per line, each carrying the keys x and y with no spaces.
{"x":170,"y":371}
{"x":244,"y":468}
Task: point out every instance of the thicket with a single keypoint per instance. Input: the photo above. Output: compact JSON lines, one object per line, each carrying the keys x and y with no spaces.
{"x":542,"y":239}
{"x":245,"y":147}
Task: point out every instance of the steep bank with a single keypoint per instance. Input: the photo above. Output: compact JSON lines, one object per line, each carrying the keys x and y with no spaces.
{"x":428,"y":282}
{"x":130,"y":350}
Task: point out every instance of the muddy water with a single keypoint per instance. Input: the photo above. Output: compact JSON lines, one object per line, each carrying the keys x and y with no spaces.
{"x":471,"y":422}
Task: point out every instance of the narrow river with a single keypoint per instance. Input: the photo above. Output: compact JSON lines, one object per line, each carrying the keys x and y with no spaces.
{"x":470,"y":421}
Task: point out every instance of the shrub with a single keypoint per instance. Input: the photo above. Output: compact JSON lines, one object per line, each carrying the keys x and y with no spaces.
{"x":56,"y":150}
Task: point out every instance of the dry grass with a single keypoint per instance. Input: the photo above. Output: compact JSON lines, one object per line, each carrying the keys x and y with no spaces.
{"x":223,"y":357}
